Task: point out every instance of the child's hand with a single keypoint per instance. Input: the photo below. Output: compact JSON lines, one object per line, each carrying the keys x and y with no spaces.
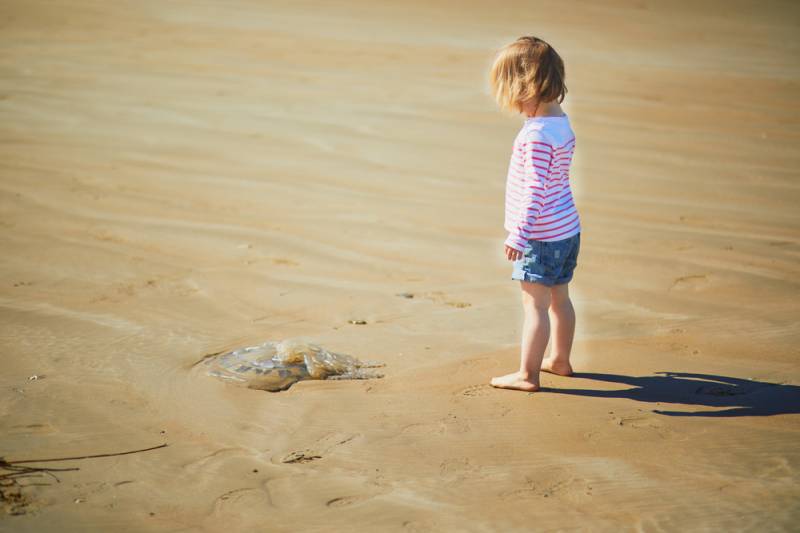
{"x":513,"y":254}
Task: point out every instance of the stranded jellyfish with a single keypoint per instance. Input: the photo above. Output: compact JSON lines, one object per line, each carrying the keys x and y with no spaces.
{"x":276,"y":365}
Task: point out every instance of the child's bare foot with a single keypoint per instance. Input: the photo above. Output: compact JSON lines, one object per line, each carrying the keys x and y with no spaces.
{"x":514,"y":381}
{"x":555,"y":366}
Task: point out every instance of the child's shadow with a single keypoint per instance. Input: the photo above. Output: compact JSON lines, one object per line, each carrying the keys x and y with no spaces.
{"x":743,"y":397}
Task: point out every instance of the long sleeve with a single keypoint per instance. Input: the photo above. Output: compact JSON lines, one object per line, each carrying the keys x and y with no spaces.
{"x":528,"y":187}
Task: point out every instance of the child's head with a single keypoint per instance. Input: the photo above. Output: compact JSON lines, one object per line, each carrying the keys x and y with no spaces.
{"x":527,"y":70}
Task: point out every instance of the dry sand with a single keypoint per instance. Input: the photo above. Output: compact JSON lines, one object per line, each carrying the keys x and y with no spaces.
{"x":180,"y":177}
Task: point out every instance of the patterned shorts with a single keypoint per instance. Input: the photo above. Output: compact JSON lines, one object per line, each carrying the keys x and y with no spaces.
{"x":548,"y":262}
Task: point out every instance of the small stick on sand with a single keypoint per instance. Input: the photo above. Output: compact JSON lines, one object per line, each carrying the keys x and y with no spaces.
{"x":3,"y":462}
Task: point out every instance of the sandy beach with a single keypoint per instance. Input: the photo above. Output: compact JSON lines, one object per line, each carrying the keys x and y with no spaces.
{"x":182,"y":178}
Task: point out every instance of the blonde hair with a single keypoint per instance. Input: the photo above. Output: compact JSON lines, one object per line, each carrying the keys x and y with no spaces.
{"x":527,"y":70}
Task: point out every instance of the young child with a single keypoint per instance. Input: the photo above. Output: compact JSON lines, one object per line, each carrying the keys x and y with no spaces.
{"x":542,"y":221}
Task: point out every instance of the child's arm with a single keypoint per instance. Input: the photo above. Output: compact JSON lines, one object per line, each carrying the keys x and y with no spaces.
{"x":537,"y":156}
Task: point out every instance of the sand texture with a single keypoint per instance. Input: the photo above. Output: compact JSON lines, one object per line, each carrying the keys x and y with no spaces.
{"x":180,"y":178}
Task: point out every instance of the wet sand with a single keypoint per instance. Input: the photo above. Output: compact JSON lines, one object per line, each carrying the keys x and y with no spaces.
{"x":176,"y":179}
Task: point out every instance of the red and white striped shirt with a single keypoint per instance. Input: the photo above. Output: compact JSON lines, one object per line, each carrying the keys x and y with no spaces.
{"x":539,"y":203}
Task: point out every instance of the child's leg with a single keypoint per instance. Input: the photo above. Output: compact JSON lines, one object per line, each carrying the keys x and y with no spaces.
{"x":535,"y":334}
{"x":562,"y":319}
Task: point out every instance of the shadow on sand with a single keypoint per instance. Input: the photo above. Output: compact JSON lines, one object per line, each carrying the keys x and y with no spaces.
{"x":742,"y":397}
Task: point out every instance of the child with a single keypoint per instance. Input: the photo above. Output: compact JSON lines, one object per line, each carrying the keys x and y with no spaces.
{"x":540,"y":215}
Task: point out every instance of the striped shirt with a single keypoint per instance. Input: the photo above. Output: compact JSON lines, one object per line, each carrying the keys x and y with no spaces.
{"x":539,"y":203}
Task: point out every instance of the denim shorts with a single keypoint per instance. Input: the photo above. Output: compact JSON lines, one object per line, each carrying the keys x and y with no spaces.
{"x":548,"y":262}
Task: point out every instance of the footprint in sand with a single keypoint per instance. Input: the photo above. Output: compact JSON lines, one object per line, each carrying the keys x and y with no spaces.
{"x":310,"y":490}
{"x":436,"y":296}
{"x":16,"y":502}
{"x":642,"y":422}
{"x":344,"y":501}
{"x":176,"y":286}
{"x":450,"y":423}
{"x":454,"y":424}
{"x":414,"y":526}
{"x":240,"y":500}
{"x":476,"y":390}
{"x":301,"y":456}
{"x":562,"y":486}
{"x":423,"y":429}
{"x":318,"y":450}
{"x":456,"y":469}
{"x":214,"y":461}
{"x":692,"y":282}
